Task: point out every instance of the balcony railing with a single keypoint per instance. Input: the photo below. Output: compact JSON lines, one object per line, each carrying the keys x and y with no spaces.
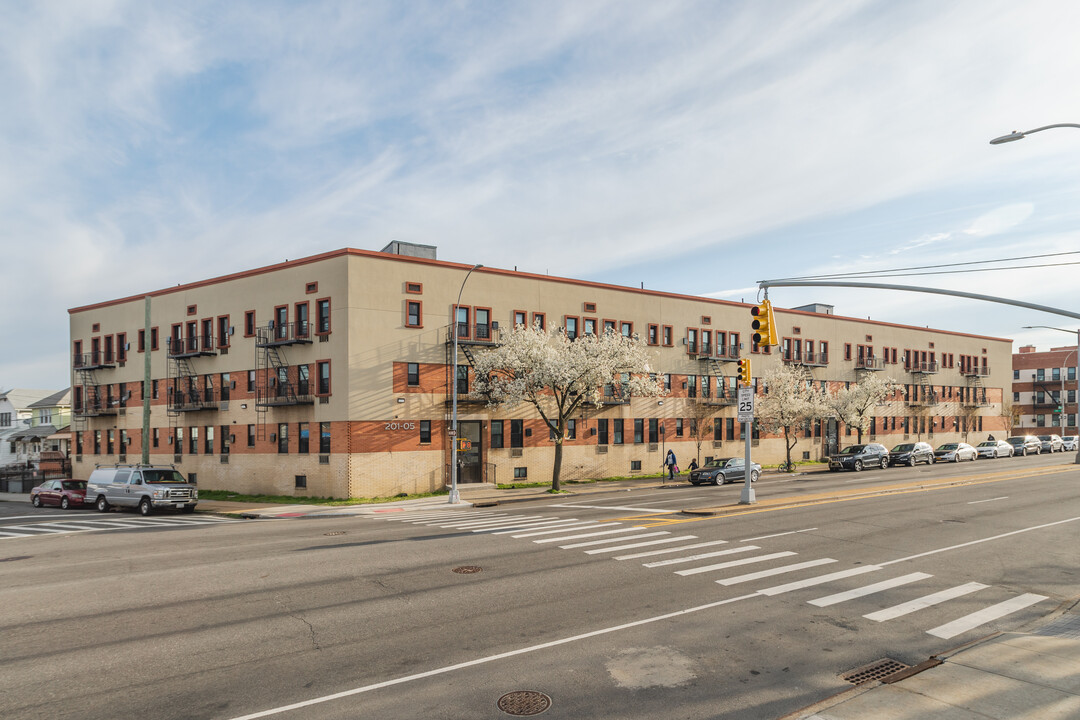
{"x":927,"y":368}
{"x":615,"y":395}
{"x":819,"y":359}
{"x":93,"y":361}
{"x":870,"y":363}
{"x":481,"y":334}
{"x":729,"y":353}
{"x":295,"y":333}
{"x":975,"y":371}
{"x":194,"y":399}
{"x":191,"y":346}
{"x":723,"y":399}
{"x":96,"y":404}
{"x":282,"y":394}
{"x":924,"y":401}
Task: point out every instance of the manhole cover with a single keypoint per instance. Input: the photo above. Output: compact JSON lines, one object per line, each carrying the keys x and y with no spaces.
{"x":467,"y":569}
{"x":874,"y":671}
{"x":336,"y":532}
{"x":524,"y":702}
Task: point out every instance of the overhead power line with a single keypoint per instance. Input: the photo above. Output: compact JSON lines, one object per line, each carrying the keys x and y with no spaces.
{"x":938,"y":269}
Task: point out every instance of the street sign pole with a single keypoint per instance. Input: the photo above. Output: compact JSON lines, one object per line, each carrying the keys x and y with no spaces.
{"x":746,"y":417}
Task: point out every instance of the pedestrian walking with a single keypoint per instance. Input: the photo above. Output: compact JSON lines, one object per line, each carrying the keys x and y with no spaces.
{"x":672,"y":466}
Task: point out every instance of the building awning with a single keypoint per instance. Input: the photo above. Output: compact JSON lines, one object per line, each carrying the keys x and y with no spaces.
{"x":35,"y":433}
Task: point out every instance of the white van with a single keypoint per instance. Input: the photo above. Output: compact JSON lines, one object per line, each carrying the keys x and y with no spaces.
{"x":147,"y":487}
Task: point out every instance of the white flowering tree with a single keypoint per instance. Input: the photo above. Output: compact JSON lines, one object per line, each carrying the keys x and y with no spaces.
{"x":791,"y":400}
{"x":557,"y":375}
{"x":854,"y":405}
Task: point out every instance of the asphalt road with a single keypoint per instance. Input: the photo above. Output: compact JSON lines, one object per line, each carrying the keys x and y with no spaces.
{"x":365,"y":617}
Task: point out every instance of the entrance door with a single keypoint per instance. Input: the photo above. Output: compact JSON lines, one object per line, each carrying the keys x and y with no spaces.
{"x":471,"y":467}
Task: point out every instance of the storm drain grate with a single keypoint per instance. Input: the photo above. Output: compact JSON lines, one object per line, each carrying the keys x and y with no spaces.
{"x":335,"y":532}
{"x":524,"y":702}
{"x":877,"y":670}
{"x":467,"y":569}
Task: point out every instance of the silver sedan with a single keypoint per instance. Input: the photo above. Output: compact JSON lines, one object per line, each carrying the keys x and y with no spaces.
{"x":994,"y":449}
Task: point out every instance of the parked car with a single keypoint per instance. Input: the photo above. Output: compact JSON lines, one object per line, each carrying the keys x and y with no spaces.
{"x":1069,"y":442}
{"x":720,"y":471}
{"x":146,"y":487}
{"x":955,"y":452}
{"x":65,"y":493}
{"x":912,"y":454}
{"x":1052,"y":443}
{"x":1025,"y":444}
{"x":994,"y":449}
{"x":857,"y":457}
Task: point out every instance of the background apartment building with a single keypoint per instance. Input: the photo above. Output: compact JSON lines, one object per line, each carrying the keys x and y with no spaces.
{"x":1041,"y":382}
{"x":331,"y":376}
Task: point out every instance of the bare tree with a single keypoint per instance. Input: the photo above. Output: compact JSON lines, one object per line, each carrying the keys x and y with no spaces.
{"x":557,"y":375}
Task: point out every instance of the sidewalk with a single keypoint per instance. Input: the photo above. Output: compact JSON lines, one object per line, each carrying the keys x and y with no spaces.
{"x":1017,"y":675}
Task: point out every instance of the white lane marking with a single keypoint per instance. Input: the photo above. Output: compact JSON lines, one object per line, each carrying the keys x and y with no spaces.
{"x":700,"y":556}
{"x":473,"y":522}
{"x":665,"y":551}
{"x":513,"y":527}
{"x":481,"y":527}
{"x":775,"y":571}
{"x":975,"y":619}
{"x":869,"y":589}
{"x":35,"y":528}
{"x":552,"y":524}
{"x":734,"y":563}
{"x":925,"y":601}
{"x":591,"y":534}
{"x":819,"y":580}
{"x":66,"y":516}
{"x":623,"y":508}
{"x":976,"y":542}
{"x":976,"y":502}
{"x":488,"y":659}
{"x":584,"y":526}
{"x":765,"y":537}
{"x":661,"y":541}
{"x":614,"y":539}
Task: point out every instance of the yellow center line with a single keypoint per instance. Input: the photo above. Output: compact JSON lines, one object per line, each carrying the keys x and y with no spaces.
{"x":788,"y":503}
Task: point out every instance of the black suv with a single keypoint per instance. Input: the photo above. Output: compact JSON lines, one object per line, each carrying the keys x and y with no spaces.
{"x":912,"y":454}
{"x":856,"y":457}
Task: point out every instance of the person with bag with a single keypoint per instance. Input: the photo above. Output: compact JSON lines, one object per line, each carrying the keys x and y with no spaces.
{"x":672,"y":466}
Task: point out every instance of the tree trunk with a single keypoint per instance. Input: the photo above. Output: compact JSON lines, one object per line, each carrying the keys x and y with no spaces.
{"x":859,"y":429}
{"x":787,"y":446}
{"x":557,"y":468}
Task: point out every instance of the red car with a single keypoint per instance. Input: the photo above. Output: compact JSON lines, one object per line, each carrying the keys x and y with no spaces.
{"x":64,"y":493}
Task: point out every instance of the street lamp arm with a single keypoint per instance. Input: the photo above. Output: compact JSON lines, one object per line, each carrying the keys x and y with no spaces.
{"x":1018,"y":135}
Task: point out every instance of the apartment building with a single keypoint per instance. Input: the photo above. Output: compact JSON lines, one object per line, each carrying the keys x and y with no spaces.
{"x":1044,"y":391}
{"x":331,"y":376}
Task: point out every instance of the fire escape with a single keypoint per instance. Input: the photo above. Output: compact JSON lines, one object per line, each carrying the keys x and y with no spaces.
{"x":94,"y":401}
{"x":713,"y":366}
{"x":183,"y":394}
{"x":277,"y":385}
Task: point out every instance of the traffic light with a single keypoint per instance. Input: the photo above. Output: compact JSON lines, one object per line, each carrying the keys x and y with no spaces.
{"x":744,"y":371}
{"x":764,"y":324}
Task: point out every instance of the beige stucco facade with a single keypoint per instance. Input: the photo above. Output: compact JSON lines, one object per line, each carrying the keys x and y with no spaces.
{"x":371,"y":318}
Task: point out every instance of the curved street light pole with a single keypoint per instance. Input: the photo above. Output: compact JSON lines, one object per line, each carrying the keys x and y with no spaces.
{"x":1018,"y":135}
{"x":455,"y":497}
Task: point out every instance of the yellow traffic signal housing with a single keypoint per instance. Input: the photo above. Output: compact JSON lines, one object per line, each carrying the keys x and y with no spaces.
{"x":744,"y":371}
{"x":764,"y":324}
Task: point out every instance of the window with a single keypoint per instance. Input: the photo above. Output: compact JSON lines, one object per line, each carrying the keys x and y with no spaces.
{"x":626,"y":328}
{"x":520,"y":473}
{"x":226,"y":386}
{"x":654,"y":335}
{"x":301,"y":481}
{"x":691,"y":386}
{"x":324,"y":438}
{"x":639,"y":430}
{"x":589,"y":326}
{"x":110,"y":439}
{"x":322,"y":316}
{"x":497,"y":433}
{"x":97,"y":442}
{"x":251,"y":436}
{"x":654,"y":430}
{"x":251,"y":381}
{"x":1040,"y":374}
{"x":609,"y":326}
{"x":539,"y":321}
{"x":414,"y":288}
{"x":311,"y":287}
{"x":109,"y":349}
{"x":617,"y":431}
{"x":153,"y":338}
{"x":121,"y":349}
{"x":413,"y":314}
{"x":571,"y":429}
{"x":223,"y":331}
{"x":635,"y":465}
{"x":249,"y":323}
{"x":302,"y":438}
{"x":1055,"y":373}
{"x":678,"y":427}
{"x":602,"y":431}
{"x":412,"y":375}
{"x":847,"y":351}
{"x":1040,"y":420}
{"x":193,"y":440}
{"x":520,"y":318}
{"x":156,"y":436}
{"x":571,"y":327}
{"x":718,"y":429}
{"x":208,"y":440}
{"x":153,"y":389}
{"x":462,"y":383}
{"x":323,"y":372}
{"x":283,"y":438}
{"x":517,"y":433}
{"x":225,"y":439}
{"x":729,"y":430}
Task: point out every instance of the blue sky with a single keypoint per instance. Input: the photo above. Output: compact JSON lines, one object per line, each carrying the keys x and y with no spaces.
{"x":694,"y":146}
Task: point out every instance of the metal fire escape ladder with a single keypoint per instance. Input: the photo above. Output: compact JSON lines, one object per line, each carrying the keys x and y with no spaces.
{"x":269,"y":359}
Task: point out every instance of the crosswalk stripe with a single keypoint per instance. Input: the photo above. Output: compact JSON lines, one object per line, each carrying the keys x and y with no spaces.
{"x":475,"y":522}
{"x":586,"y":526}
{"x":677,"y":538}
{"x":35,"y":528}
{"x":819,"y":580}
{"x":613,"y":539}
{"x":553,"y":524}
{"x":510,"y":527}
{"x":591,"y":534}
{"x":734,"y":563}
{"x":924,"y":602}
{"x":775,"y":571}
{"x":665,"y":551}
{"x":870,"y":589}
{"x":975,"y":619}
{"x":700,"y":556}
